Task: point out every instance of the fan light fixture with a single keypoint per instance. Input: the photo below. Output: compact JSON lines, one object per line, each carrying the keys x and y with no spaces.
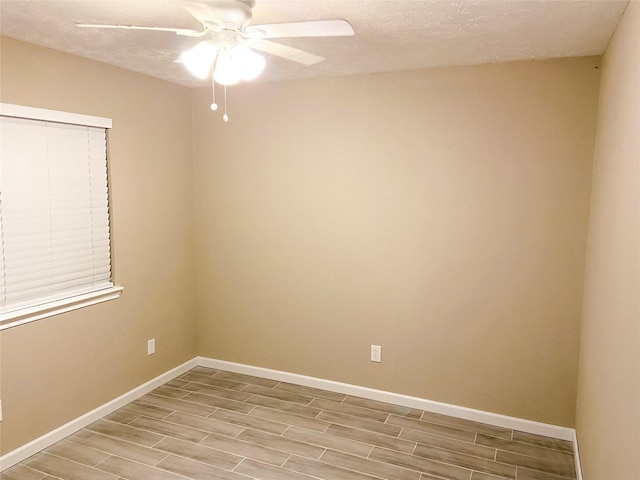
{"x":228,"y":54}
{"x":231,"y":65}
{"x":238,"y":63}
{"x":199,"y":59}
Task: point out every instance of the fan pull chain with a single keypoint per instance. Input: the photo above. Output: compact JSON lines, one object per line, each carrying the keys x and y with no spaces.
{"x":214,"y":105}
{"x":225,"y":117}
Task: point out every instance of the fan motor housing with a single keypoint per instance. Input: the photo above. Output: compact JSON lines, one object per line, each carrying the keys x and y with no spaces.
{"x":232,"y":14}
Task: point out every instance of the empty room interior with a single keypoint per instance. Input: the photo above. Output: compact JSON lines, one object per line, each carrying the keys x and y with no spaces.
{"x":475,"y":216}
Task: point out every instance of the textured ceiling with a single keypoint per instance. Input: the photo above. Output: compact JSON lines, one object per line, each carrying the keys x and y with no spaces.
{"x":390,"y":35}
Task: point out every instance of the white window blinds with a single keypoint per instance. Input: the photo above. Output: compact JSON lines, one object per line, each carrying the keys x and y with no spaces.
{"x":54,"y":212}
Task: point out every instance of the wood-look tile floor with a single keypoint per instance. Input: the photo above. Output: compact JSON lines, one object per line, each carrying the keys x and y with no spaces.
{"x":212,"y":424}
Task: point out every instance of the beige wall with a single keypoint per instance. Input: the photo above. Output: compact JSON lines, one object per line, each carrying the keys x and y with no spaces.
{"x":441,"y":214}
{"x":56,"y":369}
{"x":608,"y":414}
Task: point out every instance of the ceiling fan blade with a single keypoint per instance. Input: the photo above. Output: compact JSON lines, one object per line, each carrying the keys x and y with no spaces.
{"x":178,"y":31}
{"x":314,"y":28}
{"x":285,"y":51}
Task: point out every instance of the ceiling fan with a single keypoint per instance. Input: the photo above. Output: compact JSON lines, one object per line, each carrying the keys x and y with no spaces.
{"x":227,"y":52}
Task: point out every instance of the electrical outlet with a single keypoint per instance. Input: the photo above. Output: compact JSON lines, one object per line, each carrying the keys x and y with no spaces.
{"x":151,"y":346}
{"x":376,"y":353}
{"x":0,"y":410}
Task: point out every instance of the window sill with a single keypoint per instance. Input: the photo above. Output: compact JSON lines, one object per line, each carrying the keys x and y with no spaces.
{"x":31,"y":314}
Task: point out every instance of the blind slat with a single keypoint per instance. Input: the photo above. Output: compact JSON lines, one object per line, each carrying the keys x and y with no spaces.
{"x":54,"y":212}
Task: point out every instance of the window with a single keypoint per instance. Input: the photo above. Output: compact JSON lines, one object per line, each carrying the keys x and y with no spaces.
{"x":55,"y":247}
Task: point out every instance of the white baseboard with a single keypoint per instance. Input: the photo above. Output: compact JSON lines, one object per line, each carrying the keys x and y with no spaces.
{"x":576,"y":456}
{"x":48,"y":439}
{"x":548,"y":430}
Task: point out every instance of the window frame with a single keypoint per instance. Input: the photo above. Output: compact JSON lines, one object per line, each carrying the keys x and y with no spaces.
{"x":47,"y":309}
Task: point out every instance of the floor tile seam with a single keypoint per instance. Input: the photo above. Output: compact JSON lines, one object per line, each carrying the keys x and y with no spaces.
{"x":437,"y":476}
{"x":206,"y":416}
{"x":326,"y":449}
{"x":218,"y":386}
{"x":435,"y":424}
{"x":106,"y":452}
{"x":280,"y":391}
{"x":373,"y":460}
{"x":526,"y":444}
{"x":240,"y":463}
{"x":342,"y":467}
{"x":359,"y":442}
{"x":462,"y":423}
{"x":548,"y":449}
{"x":324,"y":410}
{"x":95,"y":467}
{"x":164,"y":438}
{"x":125,"y":441}
{"x":325,"y":428}
{"x":376,"y":433}
{"x":468,"y":442}
{"x":255,"y":417}
{"x":139,"y":399}
{"x":209,"y":465}
{"x":470,"y":426}
{"x":343,"y":438}
{"x":235,"y":437}
{"x":176,"y":424}
{"x":283,"y":468}
{"x":439,"y":447}
{"x":212,"y":396}
{"x":466,"y":455}
{"x":289,"y":427}
{"x":168,"y":454}
{"x":498,"y":477}
{"x":44,"y":474}
{"x":380,"y":409}
{"x":248,"y":443}
{"x":176,"y":410}
{"x":554,"y":474}
{"x":136,"y":418}
{"x":246,"y":379}
{"x":209,"y":394}
{"x":138,"y":463}
{"x":270,"y":398}
{"x":436,"y":434}
{"x":356,"y":406}
{"x":285,"y":413}
{"x":230,"y":390}
{"x":31,"y":458}
{"x":130,"y":426}
{"x":545,"y":460}
{"x":413,"y":450}
{"x":288,"y":439}
{"x":568,"y":449}
{"x":438,"y":461}
{"x":250,"y":426}
{"x":366,"y":429}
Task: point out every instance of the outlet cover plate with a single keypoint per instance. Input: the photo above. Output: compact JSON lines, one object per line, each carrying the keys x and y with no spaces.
{"x":376,"y":353}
